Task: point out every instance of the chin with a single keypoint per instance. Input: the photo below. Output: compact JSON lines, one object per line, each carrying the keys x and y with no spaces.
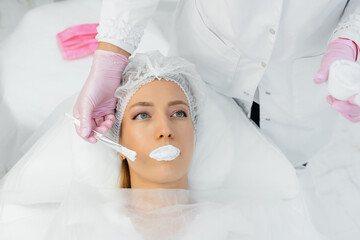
{"x":168,"y":173}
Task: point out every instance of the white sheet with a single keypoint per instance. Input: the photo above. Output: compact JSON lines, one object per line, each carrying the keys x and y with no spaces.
{"x":328,"y":203}
{"x":235,"y":189}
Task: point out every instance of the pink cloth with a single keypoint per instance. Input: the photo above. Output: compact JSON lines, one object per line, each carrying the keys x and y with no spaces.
{"x":78,"y":41}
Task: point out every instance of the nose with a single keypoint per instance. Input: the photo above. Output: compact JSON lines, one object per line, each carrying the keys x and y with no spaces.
{"x":164,"y":129}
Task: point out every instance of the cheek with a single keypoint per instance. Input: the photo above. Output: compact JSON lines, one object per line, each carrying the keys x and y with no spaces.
{"x":187,"y":132}
{"x":137,"y":137}
{"x":133,"y":134}
{"x":186,"y":138}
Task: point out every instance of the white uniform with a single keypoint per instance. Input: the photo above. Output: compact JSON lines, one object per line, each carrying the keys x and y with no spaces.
{"x":267,"y":51}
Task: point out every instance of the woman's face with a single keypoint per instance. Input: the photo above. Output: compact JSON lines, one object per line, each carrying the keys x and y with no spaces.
{"x":157,"y":115}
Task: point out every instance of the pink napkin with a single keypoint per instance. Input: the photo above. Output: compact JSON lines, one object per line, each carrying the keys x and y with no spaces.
{"x":78,"y":41}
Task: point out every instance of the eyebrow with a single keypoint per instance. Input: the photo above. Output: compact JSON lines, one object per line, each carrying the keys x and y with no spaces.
{"x":150,"y":104}
{"x":146,"y":104}
{"x":177,"y":102}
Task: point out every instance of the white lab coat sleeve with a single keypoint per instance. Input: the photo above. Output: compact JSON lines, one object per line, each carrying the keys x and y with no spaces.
{"x":122,"y":22}
{"x":349,"y":25}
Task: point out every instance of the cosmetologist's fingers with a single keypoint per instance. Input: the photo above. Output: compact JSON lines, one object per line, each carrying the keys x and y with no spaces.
{"x":322,"y":75}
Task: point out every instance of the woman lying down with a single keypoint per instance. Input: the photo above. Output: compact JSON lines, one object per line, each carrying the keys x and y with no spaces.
{"x":159,"y":103}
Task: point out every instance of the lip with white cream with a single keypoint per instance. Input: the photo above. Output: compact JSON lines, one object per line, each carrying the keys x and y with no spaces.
{"x":165,"y":153}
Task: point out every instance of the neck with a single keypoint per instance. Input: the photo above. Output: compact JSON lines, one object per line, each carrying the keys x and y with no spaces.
{"x":161,"y":195}
{"x":152,"y":199}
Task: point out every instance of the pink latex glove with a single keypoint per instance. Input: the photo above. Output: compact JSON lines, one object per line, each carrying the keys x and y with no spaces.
{"x":348,"y":109}
{"x":96,"y":102}
{"x":339,"y":49}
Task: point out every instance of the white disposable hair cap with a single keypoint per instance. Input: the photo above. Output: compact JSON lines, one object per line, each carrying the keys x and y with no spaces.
{"x":144,"y":68}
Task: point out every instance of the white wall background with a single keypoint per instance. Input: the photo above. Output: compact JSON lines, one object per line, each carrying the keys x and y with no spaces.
{"x":11,"y":12}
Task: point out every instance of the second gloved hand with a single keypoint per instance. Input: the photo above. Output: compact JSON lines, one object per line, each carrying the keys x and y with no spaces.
{"x":348,"y":109}
{"x":339,"y":49}
{"x":96,"y":102}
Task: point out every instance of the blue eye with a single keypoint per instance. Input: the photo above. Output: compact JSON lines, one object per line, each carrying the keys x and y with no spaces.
{"x":180,"y":114}
{"x":141,"y":116}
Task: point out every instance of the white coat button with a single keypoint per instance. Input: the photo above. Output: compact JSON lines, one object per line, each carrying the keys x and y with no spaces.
{"x":263,"y":64}
{"x":272,"y":31}
{"x":267,"y":119}
{"x":268,"y":93}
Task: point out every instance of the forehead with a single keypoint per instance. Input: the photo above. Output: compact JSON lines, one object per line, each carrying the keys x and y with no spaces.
{"x":158,"y":91}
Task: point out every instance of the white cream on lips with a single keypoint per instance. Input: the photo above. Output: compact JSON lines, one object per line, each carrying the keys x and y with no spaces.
{"x":165,"y":153}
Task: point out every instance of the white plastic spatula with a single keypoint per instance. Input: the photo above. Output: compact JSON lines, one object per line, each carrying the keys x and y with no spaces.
{"x":131,"y":155}
{"x":344,"y":80}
